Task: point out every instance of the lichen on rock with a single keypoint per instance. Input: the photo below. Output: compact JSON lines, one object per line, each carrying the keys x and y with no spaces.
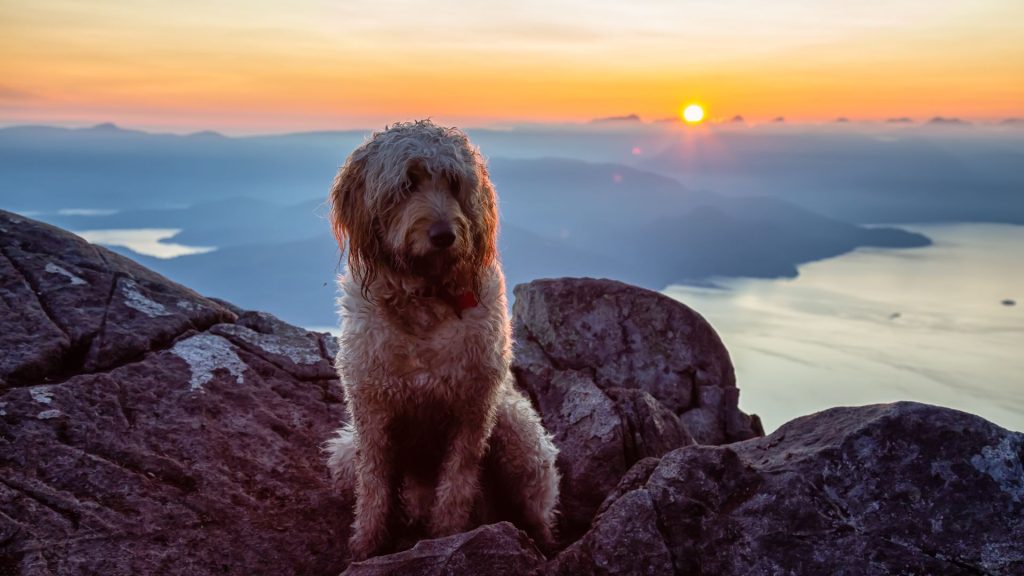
{"x":206,"y":353}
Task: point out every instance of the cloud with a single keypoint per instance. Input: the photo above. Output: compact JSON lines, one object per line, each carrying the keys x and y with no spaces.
{"x":9,"y":93}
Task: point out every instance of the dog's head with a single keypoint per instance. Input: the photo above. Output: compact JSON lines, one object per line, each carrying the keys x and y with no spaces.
{"x":415,"y":199}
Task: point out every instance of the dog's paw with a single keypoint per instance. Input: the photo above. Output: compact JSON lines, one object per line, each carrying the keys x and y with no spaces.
{"x":363,"y":545}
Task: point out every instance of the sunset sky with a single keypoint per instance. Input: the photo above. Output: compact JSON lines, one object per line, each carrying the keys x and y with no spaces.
{"x":269,"y":66}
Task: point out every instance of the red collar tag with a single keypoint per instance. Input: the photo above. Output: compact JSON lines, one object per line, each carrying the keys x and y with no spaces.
{"x":465,"y":301}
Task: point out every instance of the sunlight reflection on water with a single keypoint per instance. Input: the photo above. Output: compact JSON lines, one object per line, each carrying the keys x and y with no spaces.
{"x":146,"y":241}
{"x":879,"y":325}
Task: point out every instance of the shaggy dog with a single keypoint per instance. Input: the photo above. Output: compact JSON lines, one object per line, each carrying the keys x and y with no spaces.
{"x":439,"y":438}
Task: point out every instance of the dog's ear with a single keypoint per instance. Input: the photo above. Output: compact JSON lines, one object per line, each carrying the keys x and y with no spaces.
{"x":485,"y":225}
{"x":471,"y":179}
{"x":353,"y":221}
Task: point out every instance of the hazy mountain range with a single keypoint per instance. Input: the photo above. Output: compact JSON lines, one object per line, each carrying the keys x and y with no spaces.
{"x":599,"y":200}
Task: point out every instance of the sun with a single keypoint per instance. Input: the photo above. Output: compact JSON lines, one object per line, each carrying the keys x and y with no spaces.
{"x":693,"y":113}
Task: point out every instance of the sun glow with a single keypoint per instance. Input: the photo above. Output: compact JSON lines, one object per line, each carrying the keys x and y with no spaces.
{"x":693,"y":113}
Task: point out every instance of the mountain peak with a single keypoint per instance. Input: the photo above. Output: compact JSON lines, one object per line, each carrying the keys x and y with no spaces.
{"x":106,"y":127}
{"x":942,"y":121}
{"x":626,"y":118}
{"x":206,"y":134}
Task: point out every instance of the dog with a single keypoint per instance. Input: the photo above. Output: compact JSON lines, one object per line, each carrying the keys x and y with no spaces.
{"x":439,"y":438}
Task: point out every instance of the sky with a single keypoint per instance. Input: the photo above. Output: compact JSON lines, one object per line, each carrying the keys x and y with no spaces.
{"x":268,"y":66}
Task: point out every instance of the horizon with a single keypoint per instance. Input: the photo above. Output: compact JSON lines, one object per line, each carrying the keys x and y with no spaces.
{"x":256,"y":68}
{"x":623,"y":122}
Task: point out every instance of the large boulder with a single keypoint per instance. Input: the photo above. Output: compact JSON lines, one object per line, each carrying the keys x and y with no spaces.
{"x":145,"y":429}
{"x":900,"y":488}
{"x":620,"y":373}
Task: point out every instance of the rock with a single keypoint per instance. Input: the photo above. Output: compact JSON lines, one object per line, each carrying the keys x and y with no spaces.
{"x":620,"y":373}
{"x":297,"y":351}
{"x":69,"y":307}
{"x":626,"y":542}
{"x":145,"y":429}
{"x":496,"y":549}
{"x":901,"y":488}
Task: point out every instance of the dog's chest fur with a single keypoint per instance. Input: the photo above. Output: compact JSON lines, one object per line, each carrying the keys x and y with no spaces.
{"x":428,"y":339}
{"x":424,"y":346}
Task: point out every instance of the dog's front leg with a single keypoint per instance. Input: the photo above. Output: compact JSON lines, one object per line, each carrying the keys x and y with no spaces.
{"x":459,"y":481}
{"x":374,"y":466}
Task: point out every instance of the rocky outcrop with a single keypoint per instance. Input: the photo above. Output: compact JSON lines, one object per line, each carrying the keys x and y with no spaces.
{"x":145,"y":429}
{"x":901,"y":488}
{"x":620,"y":373}
{"x":496,"y":550}
{"x":69,"y":307}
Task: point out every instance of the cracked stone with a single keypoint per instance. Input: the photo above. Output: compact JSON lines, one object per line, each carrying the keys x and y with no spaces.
{"x":874,"y":490}
{"x":109,"y":309}
{"x":618,"y":374}
{"x":110,"y":462}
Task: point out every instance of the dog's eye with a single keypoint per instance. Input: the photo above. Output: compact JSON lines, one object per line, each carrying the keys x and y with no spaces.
{"x":453,"y":184}
{"x":414,"y":176}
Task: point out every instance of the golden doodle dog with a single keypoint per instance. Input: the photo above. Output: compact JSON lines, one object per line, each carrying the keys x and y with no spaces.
{"x":438,"y":439}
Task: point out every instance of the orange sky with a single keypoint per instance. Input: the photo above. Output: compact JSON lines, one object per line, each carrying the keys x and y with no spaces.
{"x":265,"y":66}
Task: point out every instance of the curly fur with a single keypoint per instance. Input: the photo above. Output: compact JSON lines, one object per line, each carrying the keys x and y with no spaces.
{"x":432,"y":404}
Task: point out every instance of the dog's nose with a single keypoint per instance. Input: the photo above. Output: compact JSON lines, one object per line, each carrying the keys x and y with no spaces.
{"x":441,"y":235}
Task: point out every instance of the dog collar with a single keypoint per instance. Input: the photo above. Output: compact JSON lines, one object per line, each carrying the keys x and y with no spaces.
{"x":459,"y":303}
{"x":465,"y":301}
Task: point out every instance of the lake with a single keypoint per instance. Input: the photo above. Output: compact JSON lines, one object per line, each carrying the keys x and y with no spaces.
{"x":942,"y":325}
{"x":145,"y":241}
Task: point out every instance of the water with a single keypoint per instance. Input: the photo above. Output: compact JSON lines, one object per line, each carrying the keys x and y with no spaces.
{"x":927,"y":324}
{"x":146,"y":241}
{"x":87,"y":212}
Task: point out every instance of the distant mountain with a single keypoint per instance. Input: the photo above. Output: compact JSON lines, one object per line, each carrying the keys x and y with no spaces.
{"x":617,"y":119}
{"x":918,"y":174}
{"x":48,"y":169}
{"x":223,"y":222}
{"x":558,"y":197}
{"x":753,"y":237}
{"x":206,"y":134}
{"x":296,"y":280}
{"x":869,"y":175}
{"x":559,"y":217}
{"x":940,"y":121}
{"x":616,"y":208}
